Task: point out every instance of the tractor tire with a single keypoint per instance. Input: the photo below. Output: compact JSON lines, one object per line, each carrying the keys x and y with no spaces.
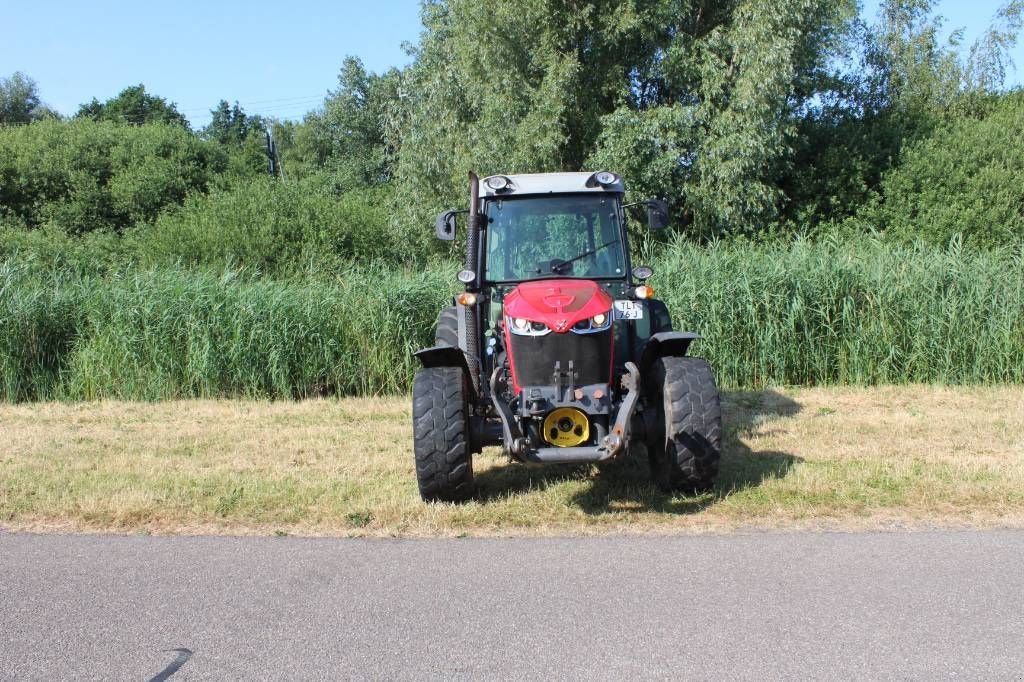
{"x":686,"y":445}
{"x":440,"y":420}
{"x":447,"y":334}
{"x":447,"y":331}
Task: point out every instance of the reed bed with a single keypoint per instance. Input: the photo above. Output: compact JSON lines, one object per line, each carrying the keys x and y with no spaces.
{"x":795,"y":314}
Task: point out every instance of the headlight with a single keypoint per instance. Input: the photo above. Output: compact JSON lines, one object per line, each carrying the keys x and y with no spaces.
{"x":597,"y":323}
{"x":523,"y":327}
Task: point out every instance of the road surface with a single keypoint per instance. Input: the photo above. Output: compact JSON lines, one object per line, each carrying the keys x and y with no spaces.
{"x":777,"y":605}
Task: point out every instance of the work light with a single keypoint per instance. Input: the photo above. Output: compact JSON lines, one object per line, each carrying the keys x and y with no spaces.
{"x":498,"y":183}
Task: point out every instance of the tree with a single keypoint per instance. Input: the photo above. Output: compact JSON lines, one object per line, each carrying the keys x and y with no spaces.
{"x":230,"y":125}
{"x":350,"y":135}
{"x":135,"y":106}
{"x":966,"y":177}
{"x":515,"y":87}
{"x":691,"y":100}
{"x":19,"y":99}
{"x":901,"y":83}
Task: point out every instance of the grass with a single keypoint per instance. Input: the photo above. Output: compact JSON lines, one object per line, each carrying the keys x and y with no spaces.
{"x":795,"y":458}
{"x":79,"y":328}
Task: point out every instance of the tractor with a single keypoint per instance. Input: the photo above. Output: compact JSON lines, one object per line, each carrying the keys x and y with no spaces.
{"x":557,"y":350}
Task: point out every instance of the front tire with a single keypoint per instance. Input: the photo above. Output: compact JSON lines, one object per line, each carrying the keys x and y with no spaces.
{"x":686,"y":445}
{"x":440,"y":415}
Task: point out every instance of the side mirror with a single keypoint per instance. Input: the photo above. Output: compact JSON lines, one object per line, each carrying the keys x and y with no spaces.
{"x":657,"y":214}
{"x":445,"y":226}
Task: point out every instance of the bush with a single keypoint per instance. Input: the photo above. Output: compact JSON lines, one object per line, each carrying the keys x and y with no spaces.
{"x":274,"y":227}
{"x":967,"y":178}
{"x":83,"y":175}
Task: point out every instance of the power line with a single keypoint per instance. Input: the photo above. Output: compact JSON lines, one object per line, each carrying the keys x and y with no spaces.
{"x":267,"y":103}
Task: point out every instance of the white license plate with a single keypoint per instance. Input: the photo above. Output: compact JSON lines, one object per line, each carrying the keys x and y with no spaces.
{"x":629,"y":310}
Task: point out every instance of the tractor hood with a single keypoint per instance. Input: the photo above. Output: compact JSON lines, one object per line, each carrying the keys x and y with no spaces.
{"x":558,"y":303}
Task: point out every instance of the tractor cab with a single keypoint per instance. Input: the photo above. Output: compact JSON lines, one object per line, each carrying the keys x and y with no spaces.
{"x":556,"y":342}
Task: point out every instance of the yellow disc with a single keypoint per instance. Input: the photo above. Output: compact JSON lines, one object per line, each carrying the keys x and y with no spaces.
{"x":566,"y":427}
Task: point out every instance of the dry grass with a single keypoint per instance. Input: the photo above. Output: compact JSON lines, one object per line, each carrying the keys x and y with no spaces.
{"x":821,"y":458}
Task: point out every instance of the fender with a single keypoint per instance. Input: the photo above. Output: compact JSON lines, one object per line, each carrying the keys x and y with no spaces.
{"x":447,"y":356}
{"x":666,"y":344}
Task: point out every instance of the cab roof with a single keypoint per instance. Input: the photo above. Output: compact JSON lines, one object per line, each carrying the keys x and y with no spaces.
{"x":551,"y":183}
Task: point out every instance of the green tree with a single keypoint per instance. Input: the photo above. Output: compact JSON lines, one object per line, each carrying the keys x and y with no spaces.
{"x":899,"y":83}
{"x":136,"y":106}
{"x":691,"y":100}
{"x":966,"y":177}
{"x":230,"y":125}
{"x":515,"y":87}
{"x":19,"y":99}
{"x":349,"y":136}
{"x":81,"y":176}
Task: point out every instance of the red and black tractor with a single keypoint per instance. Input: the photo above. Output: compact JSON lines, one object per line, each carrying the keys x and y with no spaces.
{"x":557,"y":349}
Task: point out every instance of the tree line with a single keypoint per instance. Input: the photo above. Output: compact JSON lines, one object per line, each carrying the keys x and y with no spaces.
{"x":754,"y":118}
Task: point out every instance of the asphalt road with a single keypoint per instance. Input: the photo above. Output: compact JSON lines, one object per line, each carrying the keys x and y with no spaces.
{"x":900,"y":605}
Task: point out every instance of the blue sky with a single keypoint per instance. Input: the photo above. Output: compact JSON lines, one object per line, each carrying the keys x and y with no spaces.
{"x":277,"y":59}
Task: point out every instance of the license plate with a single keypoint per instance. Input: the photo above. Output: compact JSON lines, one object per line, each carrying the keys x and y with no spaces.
{"x":629,"y":310}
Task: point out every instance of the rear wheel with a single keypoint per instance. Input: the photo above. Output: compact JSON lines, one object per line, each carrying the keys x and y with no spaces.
{"x":686,"y":443}
{"x":440,"y":415}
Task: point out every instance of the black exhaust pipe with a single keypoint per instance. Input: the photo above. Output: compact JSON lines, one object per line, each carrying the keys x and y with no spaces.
{"x":472,"y":348}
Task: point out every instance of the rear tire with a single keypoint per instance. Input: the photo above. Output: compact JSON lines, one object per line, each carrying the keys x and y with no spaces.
{"x":686,"y":445}
{"x":440,"y":416}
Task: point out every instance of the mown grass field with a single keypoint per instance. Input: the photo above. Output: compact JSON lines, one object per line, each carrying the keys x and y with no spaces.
{"x":809,"y":458}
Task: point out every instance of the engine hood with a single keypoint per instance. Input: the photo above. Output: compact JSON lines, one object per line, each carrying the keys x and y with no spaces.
{"x":558,"y":303}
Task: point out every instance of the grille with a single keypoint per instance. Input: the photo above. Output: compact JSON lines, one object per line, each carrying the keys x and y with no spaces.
{"x":534,"y":357}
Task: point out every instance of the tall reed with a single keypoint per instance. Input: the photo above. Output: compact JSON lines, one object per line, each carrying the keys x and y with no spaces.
{"x":806,"y":313}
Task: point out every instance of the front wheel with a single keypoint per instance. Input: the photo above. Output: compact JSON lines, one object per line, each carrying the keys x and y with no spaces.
{"x":440,"y":416}
{"x":686,"y":445}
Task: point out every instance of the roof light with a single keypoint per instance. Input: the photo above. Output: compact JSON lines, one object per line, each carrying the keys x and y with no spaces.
{"x":606,"y":178}
{"x":498,"y":183}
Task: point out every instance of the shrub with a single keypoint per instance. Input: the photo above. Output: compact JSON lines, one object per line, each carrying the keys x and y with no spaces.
{"x":85,"y":175}
{"x":274,"y":227}
{"x":967,"y":178}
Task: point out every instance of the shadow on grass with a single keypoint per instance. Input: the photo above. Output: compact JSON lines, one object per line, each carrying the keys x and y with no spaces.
{"x":625,"y":484}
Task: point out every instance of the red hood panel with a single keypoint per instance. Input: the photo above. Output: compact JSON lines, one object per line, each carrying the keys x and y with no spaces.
{"x":558,"y":303}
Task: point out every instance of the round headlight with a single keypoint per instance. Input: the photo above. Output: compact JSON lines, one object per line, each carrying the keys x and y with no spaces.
{"x":600,"y":319}
{"x":520,"y":324}
{"x":538,"y":326}
{"x":497,"y":183}
{"x":467,"y":276}
{"x":606,"y":178}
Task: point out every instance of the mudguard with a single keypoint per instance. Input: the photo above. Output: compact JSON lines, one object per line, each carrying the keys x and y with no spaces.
{"x":666,"y":344}
{"x":446,"y":356}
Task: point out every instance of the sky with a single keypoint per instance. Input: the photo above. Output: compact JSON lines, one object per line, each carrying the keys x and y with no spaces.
{"x":276,"y":59}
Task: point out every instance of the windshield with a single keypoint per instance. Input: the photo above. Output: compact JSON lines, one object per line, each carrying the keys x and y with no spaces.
{"x":557,"y":236}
